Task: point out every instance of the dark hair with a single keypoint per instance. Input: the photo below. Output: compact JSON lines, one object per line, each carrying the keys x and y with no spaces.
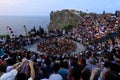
{"x":112,"y":66}
{"x":48,"y":62}
{"x":74,"y":63}
{"x":3,"y":67}
{"x":10,"y":61}
{"x":21,"y":76}
{"x":83,"y":61}
{"x":56,"y":67}
{"x":115,"y":67}
{"x":64,"y":64}
{"x":110,"y":75}
{"x":86,"y":75}
{"x":76,"y":72}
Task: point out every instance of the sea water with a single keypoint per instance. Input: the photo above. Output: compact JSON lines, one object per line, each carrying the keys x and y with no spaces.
{"x":17,"y":23}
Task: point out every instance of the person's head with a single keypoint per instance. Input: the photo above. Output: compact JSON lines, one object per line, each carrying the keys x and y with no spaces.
{"x":48,"y":62}
{"x":92,"y":61}
{"x":64,"y":64}
{"x":9,"y":61}
{"x":76,"y":72}
{"x":112,"y":66}
{"x":83,"y":61}
{"x":110,"y":75}
{"x":115,"y":67}
{"x":74,"y":63}
{"x":86,"y":75}
{"x":56,"y":67}
{"x":21,"y":76}
{"x":3,"y":67}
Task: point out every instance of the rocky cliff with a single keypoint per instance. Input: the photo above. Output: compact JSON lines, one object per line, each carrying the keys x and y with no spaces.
{"x":60,"y":19}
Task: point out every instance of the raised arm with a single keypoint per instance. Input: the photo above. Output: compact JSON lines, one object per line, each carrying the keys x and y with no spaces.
{"x":32,"y":71}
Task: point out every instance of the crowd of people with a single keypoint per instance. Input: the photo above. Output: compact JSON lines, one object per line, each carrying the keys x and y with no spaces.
{"x":53,"y":33}
{"x":92,"y":64}
{"x":99,"y":61}
{"x":94,"y":27}
{"x":57,"y":46}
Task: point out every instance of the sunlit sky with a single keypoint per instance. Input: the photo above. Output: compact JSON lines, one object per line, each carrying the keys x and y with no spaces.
{"x":44,"y":7}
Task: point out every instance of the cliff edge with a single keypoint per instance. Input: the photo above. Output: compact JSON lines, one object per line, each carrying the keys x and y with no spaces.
{"x":60,"y":19}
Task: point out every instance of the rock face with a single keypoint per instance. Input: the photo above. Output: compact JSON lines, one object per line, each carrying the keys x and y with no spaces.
{"x":60,"y":19}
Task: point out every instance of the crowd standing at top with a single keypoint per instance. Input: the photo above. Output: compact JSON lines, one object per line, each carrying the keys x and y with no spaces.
{"x":100,"y":61}
{"x":94,"y":27}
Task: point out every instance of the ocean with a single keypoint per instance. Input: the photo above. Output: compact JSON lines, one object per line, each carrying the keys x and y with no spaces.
{"x":17,"y":23}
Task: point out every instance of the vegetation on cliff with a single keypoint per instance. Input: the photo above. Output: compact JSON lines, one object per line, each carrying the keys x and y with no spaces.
{"x":65,"y":19}
{"x":4,"y":36}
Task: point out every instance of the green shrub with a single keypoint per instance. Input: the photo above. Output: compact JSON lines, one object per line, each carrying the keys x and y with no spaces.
{"x":68,"y":27}
{"x":4,"y":36}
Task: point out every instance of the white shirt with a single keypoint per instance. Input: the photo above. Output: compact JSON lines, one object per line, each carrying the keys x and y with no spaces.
{"x":55,"y":77}
{"x":10,"y":75}
{"x":9,"y":68}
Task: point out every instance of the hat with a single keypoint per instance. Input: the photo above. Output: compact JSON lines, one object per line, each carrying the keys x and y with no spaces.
{"x":10,"y":75}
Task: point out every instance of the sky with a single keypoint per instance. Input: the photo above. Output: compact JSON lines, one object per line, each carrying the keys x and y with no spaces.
{"x":44,"y":7}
